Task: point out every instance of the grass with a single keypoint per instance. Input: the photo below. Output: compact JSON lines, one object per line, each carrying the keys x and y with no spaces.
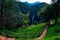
{"x":28,"y":32}
{"x":33,"y":31}
{"x":24,"y":38}
{"x":53,"y":32}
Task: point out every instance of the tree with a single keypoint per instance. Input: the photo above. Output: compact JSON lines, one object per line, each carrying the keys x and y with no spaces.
{"x":56,"y":6}
{"x":51,"y":12}
{"x":10,"y":18}
{"x":47,"y":13}
{"x":4,"y":5}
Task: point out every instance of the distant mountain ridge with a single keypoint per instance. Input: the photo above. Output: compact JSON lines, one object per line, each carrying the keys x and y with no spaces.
{"x":26,"y":7}
{"x":35,"y":7}
{"x":36,"y":3}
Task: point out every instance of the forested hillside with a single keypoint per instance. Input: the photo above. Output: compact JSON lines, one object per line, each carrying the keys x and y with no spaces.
{"x":29,"y":21}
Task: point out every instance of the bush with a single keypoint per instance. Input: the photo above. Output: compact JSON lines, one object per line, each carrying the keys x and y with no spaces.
{"x":12,"y":19}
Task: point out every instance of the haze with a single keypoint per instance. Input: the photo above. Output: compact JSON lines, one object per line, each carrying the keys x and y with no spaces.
{"x":32,"y":1}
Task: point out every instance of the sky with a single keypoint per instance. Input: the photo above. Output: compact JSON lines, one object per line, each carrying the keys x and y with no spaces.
{"x":32,"y":1}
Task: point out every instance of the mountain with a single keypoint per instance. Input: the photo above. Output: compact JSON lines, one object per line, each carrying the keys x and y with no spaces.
{"x":35,"y":6}
{"x":31,"y":4}
{"x":20,"y":6}
{"x":26,"y":7}
{"x":28,"y":4}
{"x":31,"y":8}
{"x":36,"y":3}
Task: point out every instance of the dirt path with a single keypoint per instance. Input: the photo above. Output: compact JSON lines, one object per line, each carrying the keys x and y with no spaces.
{"x":5,"y":38}
{"x":43,"y":34}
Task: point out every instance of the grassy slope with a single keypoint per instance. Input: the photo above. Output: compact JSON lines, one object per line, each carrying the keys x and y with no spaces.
{"x":33,"y":31}
{"x":53,"y":32}
{"x":24,"y":33}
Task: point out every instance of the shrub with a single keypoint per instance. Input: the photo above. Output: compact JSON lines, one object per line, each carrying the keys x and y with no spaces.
{"x":12,"y":19}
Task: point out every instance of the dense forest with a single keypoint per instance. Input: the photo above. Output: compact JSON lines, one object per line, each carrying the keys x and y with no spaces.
{"x":26,"y":21}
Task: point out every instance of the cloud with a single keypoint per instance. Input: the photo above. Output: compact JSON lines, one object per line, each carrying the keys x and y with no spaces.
{"x":32,"y":1}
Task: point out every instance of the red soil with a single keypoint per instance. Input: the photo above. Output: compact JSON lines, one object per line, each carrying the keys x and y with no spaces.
{"x":5,"y":38}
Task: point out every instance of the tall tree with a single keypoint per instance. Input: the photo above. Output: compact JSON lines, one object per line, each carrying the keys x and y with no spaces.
{"x":11,"y":17}
{"x":45,"y":13}
{"x":56,"y":6}
{"x":4,"y":5}
{"x":48,"y":13}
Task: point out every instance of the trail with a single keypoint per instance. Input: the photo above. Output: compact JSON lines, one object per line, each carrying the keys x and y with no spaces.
{"x":6,"y":38}
{"x":43,"y":34}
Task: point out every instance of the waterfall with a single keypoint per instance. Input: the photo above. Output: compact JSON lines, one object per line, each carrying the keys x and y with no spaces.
{"x":32,"y":19}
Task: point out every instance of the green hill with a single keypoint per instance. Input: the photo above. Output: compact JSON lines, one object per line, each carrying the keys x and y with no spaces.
{"x":31,"y":31}
{"x":53,"y":32}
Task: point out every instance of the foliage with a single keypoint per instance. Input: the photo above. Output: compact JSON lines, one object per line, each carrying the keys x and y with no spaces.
{"x":26,"y":32}
{"x":23,"y":7}
{"x":53,"y":32}
{"x":11,"y":18}
{"x":50,"y":12}
{"x":46,"y":13}
{"x":26,"y":20}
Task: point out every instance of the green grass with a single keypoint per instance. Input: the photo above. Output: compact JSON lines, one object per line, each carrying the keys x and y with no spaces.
{"x":24,"y":38}
{"x":53,"y":32}
{"x":28,"y":32}
{"x":33,"y":31}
